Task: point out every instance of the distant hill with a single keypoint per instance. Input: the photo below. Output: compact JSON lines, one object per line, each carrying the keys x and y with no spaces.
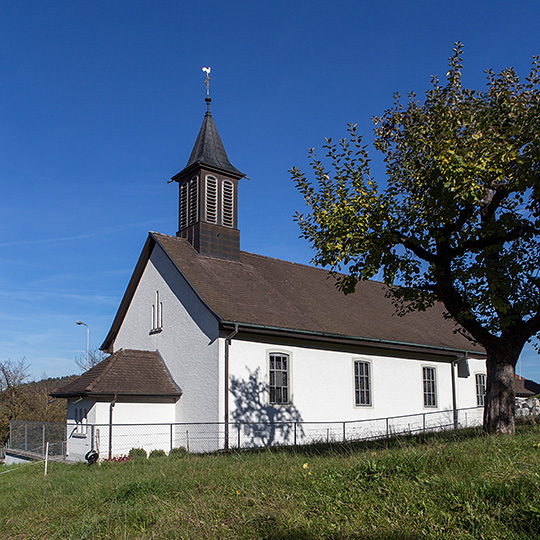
{"x":31,"y":401}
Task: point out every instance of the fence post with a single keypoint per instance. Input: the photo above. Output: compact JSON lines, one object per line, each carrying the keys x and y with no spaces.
{"x":238,"y":430}
{"x":187,"y":440}
{"x":26,"y":436}
{"x":43,"y":440}
{"x":171,"y":438}
{"x":295,"y":433}
{"x":424,"y":422}
{"x":344,"y":436}
{"x":387,"y":433}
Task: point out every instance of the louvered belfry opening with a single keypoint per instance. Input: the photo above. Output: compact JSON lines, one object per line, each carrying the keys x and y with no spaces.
{"x":208,"y":188}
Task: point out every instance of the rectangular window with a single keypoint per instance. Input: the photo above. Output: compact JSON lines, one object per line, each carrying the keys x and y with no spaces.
{"x":362,"y":383}
{"x":480,"y":389}
{"x":430,"y":386}
{"x":279,"y":378}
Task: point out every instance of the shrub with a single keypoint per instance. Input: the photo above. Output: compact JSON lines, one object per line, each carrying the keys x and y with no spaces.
{"x":157,"y":453}
{"x":138,"y":453}
{"x":178,"y":452}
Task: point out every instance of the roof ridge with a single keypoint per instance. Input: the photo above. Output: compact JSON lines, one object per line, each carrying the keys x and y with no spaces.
{"x":110,"y":360}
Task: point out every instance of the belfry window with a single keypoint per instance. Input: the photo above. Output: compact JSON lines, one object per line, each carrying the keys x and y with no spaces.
{"x":189,"y":203}
{"x":227,"y":202}
{"x":211,"y":199}
{"x":193,"y":200}
{"x":183,"y":217}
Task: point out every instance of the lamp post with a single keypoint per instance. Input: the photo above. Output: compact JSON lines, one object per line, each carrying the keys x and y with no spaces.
{"x":87,"y":339}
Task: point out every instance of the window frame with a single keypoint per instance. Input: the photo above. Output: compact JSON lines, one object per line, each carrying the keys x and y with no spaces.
{"x":432,"y":395}
{"x":272,"y":355}
{"x":480,"y":399}
{"x":357,"y":389}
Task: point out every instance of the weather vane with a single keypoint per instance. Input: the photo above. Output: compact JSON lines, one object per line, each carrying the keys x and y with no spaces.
{"x":207,"y":81}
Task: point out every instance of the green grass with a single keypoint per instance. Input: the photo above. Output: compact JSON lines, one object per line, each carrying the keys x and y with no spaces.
{"x":450,"y":486}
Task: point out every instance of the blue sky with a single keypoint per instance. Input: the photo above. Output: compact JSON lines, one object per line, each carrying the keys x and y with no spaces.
{"x":101,"y":102}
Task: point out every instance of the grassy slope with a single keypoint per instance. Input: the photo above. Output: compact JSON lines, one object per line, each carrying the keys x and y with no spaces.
{"x":466,"y":487}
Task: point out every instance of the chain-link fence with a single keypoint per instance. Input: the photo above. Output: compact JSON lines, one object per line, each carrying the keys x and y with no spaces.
{"x":74,"y":441}
{"x":34,"y":436}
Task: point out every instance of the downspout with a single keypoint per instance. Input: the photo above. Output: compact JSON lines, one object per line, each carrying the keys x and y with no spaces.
{"x":228,"y":340}
{"x":454,"y":396}
{"x":113,"y":403}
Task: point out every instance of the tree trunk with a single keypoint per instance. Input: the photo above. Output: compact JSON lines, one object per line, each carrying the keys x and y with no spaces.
{"x":499,"y":402}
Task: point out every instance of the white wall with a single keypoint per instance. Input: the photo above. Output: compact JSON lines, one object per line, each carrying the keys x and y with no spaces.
{"x":187,"y":343}
{"x":466,"y":387}
{"x":78,"y":434}
{"x":134,"y":426}
{"x":322,"y":389}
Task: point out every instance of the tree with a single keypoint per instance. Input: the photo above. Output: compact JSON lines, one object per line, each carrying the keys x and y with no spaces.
{"x":458,"y":221}
{"x":95,"y":356}
{"x":13,"y":375}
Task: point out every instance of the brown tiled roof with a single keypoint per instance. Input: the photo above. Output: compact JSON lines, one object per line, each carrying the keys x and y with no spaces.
{"x":127,"y":372}
{"x":525,"y":387}
{"x":273,"y":293}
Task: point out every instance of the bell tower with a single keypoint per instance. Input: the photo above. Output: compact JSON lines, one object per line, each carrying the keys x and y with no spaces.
{"x":208,"y":202}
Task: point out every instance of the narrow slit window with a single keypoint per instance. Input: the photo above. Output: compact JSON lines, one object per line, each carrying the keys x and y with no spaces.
{"x":228,"y":203}
{"x":157,"y":314}
{"x":211,"y":199}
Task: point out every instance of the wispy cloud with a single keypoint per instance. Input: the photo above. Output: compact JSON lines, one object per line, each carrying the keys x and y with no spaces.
{"x":29,"y":295}
{"x":102,"y":232}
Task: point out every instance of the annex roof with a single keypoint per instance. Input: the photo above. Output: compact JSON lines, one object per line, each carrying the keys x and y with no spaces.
{"x":127,"y":372}
{"x":273,"y":295}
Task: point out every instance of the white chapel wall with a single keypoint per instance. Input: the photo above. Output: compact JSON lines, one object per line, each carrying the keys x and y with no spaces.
{"x":187,"y":342}
{"x":135,"y":425}
{"x":323,"y":391}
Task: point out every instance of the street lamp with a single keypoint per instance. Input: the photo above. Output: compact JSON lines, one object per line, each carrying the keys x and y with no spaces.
{"x":87,"y":340}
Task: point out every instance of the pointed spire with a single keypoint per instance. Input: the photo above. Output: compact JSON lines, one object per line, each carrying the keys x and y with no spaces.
{"x":209,"y":149}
